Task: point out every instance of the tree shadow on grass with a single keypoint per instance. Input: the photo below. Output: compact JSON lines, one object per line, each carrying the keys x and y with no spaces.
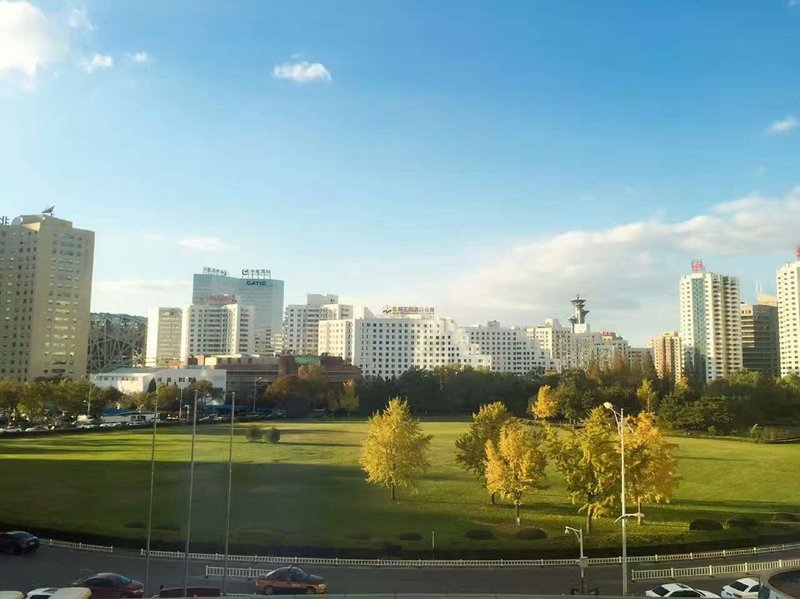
{"x":318,"y":444}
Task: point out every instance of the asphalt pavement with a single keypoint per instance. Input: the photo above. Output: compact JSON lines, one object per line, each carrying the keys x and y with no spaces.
{"x":51,"y":566}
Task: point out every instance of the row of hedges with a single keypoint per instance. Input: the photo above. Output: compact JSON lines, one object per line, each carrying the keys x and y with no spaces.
{"x":740,"y":522}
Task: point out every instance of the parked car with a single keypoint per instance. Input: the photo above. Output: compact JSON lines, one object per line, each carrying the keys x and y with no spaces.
{"x":43,"y":593}
{"x":109,"y":584}
{"x":39,"y":428}
{"x":744,"y":588}
{"x":18,"y":541}
{"x":678,"y":589}
{"x":292,"y":580}
{"x":86,"y":425}
{"x":111,"y":425}
{"x":11,"y":430}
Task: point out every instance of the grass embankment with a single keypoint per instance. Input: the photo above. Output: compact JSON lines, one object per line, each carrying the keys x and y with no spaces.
{"x":308,"y":491}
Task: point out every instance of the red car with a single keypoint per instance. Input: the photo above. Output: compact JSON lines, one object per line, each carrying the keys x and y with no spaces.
{"x":108,"y":584}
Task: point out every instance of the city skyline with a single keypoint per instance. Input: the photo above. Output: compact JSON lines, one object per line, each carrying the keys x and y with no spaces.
{"x":563,"y":150}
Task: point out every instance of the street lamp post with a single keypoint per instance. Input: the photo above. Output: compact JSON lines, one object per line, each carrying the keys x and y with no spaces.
{"x":180,"y":407}
{"x":255,"y":383}
{"x":152,"y":489}
{"x":578,"y":532}
{"x":228,"y":506}
{"x":191,"y":492}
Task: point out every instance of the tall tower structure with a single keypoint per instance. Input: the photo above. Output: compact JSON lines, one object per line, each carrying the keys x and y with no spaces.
{"x":711,"y":325}
{"x":578,"y":318}
{"x":45,"y":296}
{"x":789,"y":316}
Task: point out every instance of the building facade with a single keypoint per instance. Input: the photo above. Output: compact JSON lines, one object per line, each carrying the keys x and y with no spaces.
{"x":301,"y":323}
{"x":164,"y":326}
{"x":218,"y":326}
{"x":400,"y":338}
{"x":760,"y":347}
{"x":116,"y":341}
{"x":256,"y":288}
{"x":668,"y":355}
{"x":637,"y":356}
{"x":789,"y":317}
{"x":45,"y":295}
{"x":138,"y":380}
{"x":711,"y":324}
{"x":509,"y":347}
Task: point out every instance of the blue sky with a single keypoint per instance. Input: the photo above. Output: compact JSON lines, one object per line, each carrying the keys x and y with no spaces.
{"x":491,"y":159}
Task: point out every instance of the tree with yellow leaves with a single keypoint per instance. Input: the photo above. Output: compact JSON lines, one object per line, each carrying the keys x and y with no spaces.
{"x":515,"y":463}
{"x":546,"y":405}
{"x":395,"y":451}
{"x":348,"y":401}
{"x":647,"y":396}
{"x":650,"y":466}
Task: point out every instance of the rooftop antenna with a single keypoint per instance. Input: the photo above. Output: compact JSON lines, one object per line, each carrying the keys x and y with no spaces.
{"x":49,"y":210}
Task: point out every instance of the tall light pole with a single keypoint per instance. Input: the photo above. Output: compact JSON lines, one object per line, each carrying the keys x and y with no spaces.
{"x":191,"y":491}
{"x":228,"y":506}
{"x":578,"y":532}
{"x":255,"y":382}
{"x":152,"y":487}
{"x":180,"y":407}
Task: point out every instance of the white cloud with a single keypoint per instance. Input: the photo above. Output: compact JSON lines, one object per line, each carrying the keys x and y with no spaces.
{"x":206,"y":244}
{"x":301,"y":72}
{"x":78,"y":19}
{"x":785,"y":125}
{"x":31,"y":40}
{"x":628,"y":272}
{"x":98,"y":61}
{"x":140,"y":57}
{"x":793,"y":3}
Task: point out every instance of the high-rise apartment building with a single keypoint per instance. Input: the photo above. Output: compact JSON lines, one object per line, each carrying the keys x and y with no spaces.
{"x":301,"y":323}
{"x":668,"y":355}
{"x":45,"y":296}
{"x":256,"y":288}
{"x":789,"y":316}
{"x":711,"y":323}
{"x":760,"y":349}
{"x":510,"y":348}
{"x":400,"y":338}
{"x":164,"y":326}
{"x":217,"y":327}
{"x":116,"y":341}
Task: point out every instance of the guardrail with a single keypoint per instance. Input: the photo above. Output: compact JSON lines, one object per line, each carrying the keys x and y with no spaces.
{"x":78,"y":546}
{"x":470,"y":563}
{"x":711,"y":571}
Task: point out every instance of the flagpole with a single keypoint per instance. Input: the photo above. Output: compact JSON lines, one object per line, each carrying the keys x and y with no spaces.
{"x":152,"y":488}
{"x":228,"y":507}
{"x":191,"y":489}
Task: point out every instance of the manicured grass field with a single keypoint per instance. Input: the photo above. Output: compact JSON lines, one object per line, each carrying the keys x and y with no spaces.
{"x":308,"y":491}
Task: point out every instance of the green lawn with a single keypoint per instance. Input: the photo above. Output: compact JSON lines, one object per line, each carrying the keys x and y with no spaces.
{"x":308,"y":491}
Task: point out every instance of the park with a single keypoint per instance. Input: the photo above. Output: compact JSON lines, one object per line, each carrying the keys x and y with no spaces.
{"x":308,"y":495}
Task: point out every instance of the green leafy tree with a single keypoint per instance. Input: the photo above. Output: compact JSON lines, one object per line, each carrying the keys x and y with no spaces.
{"x":35,"y":396}
{"x":650,"y":466}
{"x":588,"y":459}
{"x":471,"y":446}
{"x":515,"y":463}
{"x":546,"y":405}
{"x":10,"y":395}
{"x":348,"y":400}
{"x":168,"y":398}
{"x":290,"y":393}
{"x":647,"y":396}
{"x":395,"y":452}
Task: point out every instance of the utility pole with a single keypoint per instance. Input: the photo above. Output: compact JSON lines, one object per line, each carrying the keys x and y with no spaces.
{"x":228,"y":506}
{"x":152,"y":489}
{"x":191,"y":490}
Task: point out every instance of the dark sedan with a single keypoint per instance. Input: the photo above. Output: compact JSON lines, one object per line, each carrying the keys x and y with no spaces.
{"x":108,"y":584}
{"x":18,"y":541}
{"x":291,"y":580}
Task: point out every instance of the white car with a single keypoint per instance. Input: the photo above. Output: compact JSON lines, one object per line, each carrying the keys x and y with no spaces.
{"x":111,"y":425}
{"x":12,"y":429}
{"x":744,"y":588}
{"x":677,"y":589}
{"x":43,"y":593}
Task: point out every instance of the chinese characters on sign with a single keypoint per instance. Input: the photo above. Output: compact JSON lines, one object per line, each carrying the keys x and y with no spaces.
{"x":215,"y":271}
{"x":407,"y":310}
{"x":255,"y":273}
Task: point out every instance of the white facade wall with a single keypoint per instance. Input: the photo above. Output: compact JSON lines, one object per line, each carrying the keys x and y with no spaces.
{"x":567,"y":349}
{"x":217,"y":329}
{"x":136,"y":380}
{"x":711,"y":324}
{"x":300,"y":324}
{"x":789,"y":317}
{"x":509,"y":347}
{"x":163,"y":336}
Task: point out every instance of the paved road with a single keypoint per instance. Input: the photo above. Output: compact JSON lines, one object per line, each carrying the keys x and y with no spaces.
{"x":58,"y":567}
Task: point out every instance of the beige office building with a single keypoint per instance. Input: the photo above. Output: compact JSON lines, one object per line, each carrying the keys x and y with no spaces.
{"x":164,"y":328}
{"x":668,"y":355}
{"x":45,"y":296}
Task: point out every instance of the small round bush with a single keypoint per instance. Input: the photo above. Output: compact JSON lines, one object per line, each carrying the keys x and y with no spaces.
{"x":253,"y":434}
{"x":705,"y":524}
{"x":274,"y":435}
{"x":530,"y":534}
{"x":785,"y":517}
{"x":740,"y":522}
{"x":409,"y":536}
{"x":480,"y":534}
